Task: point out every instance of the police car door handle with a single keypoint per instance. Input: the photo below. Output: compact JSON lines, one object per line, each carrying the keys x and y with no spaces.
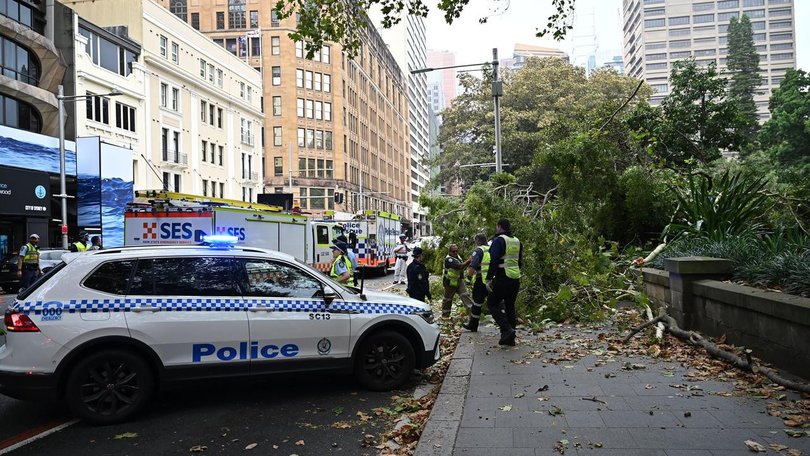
{"x":146,"y":309}
{"x":260,"y":309}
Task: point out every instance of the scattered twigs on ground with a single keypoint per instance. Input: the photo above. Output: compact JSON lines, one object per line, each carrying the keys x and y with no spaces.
{"x":746,"y":364}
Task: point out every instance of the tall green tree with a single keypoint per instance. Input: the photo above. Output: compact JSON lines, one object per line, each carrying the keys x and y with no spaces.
{"x":786,"y":135}
{"x":346,"y":21}
{"x":694,"y":123}
{"x":743,"y":64}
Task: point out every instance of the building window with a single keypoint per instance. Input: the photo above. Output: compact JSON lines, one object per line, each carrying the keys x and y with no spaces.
{"x":327,"y":139}
{"x":255,"y":47}
{"x":311,"y":167}
{"x":680,"y":44}
{"x":781,"y":36}
{"x":758,"y":25}
{"x":125,"y":117}
{"x":327,"y":111}
{"x":301,"y":141}
{"x":212,"y":148}
{"x":680,"y":20}
{"x":724,"y":17}
{"x":276,"y":72}
{"x":728,"y":4}
{"x":650,"y":23}
{"x":220,"y":20}
{"x":705,"y":52}
{"x":782,"y":56}
{"x":299,"y":104}
{"x":679,"y":32}
{"x":278,"y":166}
{"x":275,"y":45}
{"x":327,"y":83}
{"x":319,"y":140}
{"x":747,"y":3}
{"x":310,"y":109}
{"x":19,"y":63}
{"x":221,"y":152}
{"x":18,"y":12}
{"x":325,"y":54}
{"x":318,"y":110}
{"x":164,"y":43}
{"x":98,"y":108}
{"x":107,"y":54}
{"x":203,"y":110}
{"x":310,"y":138}
{"x":203,"y":67}
{"x":195,"y":21}
{"x":661,"y":56}
{"x":277,"y":142}
{"x":654,"y":12}
{"x":703,"y":18}
{"x":175,"y":52}
{"x":219,"y":117}
{"x":211,"y":110}
{"x":246,"y":131}
{"x":219,"y":77}
{"x":177,"y":183}
{"x":299,"y":78}
{"x":781,"y":24}
{"x":753,"y":14}
{"x":308,"y":80}
{"x":254,"y":19}
{"x":703,"y":6}
{"x":759,"y":37}
{"x":175,"y":99}
{"x":276,"y":106}
{"x":274,"y":22}
{"x":179,"y":8}
{"x":317,"y":81}
{"x":19,"y":114}
{"x":303,"y":198}
{"x":236,"y":14}
{"x":164,"y":94}
{"x":204,"y":150}
{"x":167,"y":181}
{"x":299,"y":49}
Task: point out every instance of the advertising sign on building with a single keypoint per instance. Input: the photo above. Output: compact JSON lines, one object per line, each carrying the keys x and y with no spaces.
{"x":24,"y":192}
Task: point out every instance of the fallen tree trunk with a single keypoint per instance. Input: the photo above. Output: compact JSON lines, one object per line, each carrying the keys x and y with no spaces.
{"x":693,"y":338}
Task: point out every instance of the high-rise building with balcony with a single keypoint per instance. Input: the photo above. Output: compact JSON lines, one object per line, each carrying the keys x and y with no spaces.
{"x":658,"y":33}
{"x":332,"y":125}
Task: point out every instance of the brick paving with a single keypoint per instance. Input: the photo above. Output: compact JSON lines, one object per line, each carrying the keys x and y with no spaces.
{"x":494,"y":401}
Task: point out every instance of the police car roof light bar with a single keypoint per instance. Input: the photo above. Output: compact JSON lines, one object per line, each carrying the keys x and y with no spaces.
{"x":219,"y":241}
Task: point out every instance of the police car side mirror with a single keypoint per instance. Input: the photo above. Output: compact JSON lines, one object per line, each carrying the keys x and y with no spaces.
{"x":328,"y":295}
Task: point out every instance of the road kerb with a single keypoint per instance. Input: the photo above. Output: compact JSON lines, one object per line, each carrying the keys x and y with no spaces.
{"x":439,"y":434}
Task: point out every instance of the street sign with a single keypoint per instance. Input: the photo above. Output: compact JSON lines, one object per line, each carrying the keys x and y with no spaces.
{"x":64,"y":229}
{"x":254,"y":33}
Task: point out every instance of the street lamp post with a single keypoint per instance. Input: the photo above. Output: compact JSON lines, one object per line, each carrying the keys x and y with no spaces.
{"x":61,"y":98}
{"x":497,"y":93}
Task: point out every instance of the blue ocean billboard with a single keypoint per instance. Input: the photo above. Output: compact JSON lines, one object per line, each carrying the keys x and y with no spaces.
{"x":24,"y":149}
{"x":106,"y":185}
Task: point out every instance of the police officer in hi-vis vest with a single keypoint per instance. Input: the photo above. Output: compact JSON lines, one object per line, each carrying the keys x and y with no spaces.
{"x":82,"y":245}
{"x":476,"y":272}
{"x":503,"y":280}
{"x":453,"y":281}
{"x":341,"y":270}
{"x":28,"y":268}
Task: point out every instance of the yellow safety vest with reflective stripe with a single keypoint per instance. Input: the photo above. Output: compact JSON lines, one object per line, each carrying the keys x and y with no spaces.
{"x":452,"y":275}
{"x":511,"y":257}
{"x":81,"y":246}
{"x":485,"y":260}
{"x":31,"y":254}
{"x":333,"y":273}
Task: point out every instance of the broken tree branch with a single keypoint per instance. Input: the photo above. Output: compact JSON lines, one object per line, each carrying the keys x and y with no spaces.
{"x":696,"y":339}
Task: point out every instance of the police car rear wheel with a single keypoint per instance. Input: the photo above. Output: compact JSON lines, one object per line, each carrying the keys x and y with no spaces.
{"x":109,"y":387}
{"x":385,"y":361}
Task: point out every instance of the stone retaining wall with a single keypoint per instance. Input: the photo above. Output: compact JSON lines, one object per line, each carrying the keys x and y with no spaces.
{"x":774,"y":325}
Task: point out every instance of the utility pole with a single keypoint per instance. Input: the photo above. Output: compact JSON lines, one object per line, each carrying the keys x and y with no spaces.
{"x":497,"y":92}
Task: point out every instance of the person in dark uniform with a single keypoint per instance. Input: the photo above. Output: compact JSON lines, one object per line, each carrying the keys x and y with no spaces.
{"x":453,"y":281}
{"x":477,"y":271}
{"x":28,"y":268}
{"x":418,"y":285}
{"x":503,"y":280}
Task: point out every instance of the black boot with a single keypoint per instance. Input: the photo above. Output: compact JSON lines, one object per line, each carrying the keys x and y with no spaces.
{"x":508,"y":338}
{"x":471,"y":326}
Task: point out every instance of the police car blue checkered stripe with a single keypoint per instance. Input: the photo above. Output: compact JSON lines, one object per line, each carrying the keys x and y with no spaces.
{"x":214,"y":305}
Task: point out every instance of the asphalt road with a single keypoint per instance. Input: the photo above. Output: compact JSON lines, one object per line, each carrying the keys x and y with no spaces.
{"x":303,"y":414}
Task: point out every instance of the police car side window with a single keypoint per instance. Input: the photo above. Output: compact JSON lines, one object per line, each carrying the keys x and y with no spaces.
{"x":278,"y":280}
{"x":112,"y":277}
{"x":185,"y":276}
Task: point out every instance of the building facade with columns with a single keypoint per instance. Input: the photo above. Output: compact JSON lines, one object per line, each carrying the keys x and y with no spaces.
{"x":190,"y":111}
{"x":333,"y":126}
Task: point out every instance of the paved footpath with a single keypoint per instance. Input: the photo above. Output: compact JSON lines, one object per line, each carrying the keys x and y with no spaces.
{"x":529,"y":399}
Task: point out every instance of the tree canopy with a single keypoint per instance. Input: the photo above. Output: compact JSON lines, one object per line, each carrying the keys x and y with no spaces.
{"x":346,"y":21}
{"x":787,"y":134}
{"x":743,"y":64}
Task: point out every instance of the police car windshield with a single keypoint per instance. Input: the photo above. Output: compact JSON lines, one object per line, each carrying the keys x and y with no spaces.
{"x":337,"y":286}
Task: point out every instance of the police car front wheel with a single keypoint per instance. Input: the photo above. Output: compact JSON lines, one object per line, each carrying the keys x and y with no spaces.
{"x":109,"y":386}
{"x":385,"y":361}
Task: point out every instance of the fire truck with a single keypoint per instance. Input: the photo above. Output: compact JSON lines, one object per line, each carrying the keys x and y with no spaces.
{"x":372,"y":235}
{"x":161,"y":217}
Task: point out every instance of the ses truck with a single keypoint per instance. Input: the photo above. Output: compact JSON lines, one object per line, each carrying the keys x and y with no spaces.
{"x":373,"y":235}
{"x":168,"y":218}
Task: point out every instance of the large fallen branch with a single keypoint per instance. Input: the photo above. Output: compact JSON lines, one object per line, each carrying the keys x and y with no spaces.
{"x":747,"y":364}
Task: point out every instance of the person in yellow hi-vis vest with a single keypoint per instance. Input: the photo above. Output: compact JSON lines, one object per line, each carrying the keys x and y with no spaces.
{"x":453,"y":282}
{"x":82,"y":245}
{"x":476,"y":272}
{"x":503,"y":280}
{"x":28,"y":268}
{"x":341,"y":265}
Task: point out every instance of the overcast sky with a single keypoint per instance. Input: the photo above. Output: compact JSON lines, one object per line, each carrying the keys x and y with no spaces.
{"x":598,"y":24}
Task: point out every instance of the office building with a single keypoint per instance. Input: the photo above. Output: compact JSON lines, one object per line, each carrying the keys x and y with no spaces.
{"x":658,"y":33}
{"x":617,"y":63}
{"x":407,"y":43}
{"x":438,"y":59}
{"x":332,"y":125}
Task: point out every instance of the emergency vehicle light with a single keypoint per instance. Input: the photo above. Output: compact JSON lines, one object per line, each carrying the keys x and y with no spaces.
{"x":219,"y":241}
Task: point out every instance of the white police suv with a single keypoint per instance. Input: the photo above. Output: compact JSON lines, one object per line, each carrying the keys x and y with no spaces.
{"x":104,"y":329}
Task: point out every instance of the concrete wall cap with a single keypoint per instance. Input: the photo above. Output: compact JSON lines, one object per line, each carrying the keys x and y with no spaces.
{"x":698,"y":265}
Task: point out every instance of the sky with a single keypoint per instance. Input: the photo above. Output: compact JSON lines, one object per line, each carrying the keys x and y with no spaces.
{"x":597,"y":24}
